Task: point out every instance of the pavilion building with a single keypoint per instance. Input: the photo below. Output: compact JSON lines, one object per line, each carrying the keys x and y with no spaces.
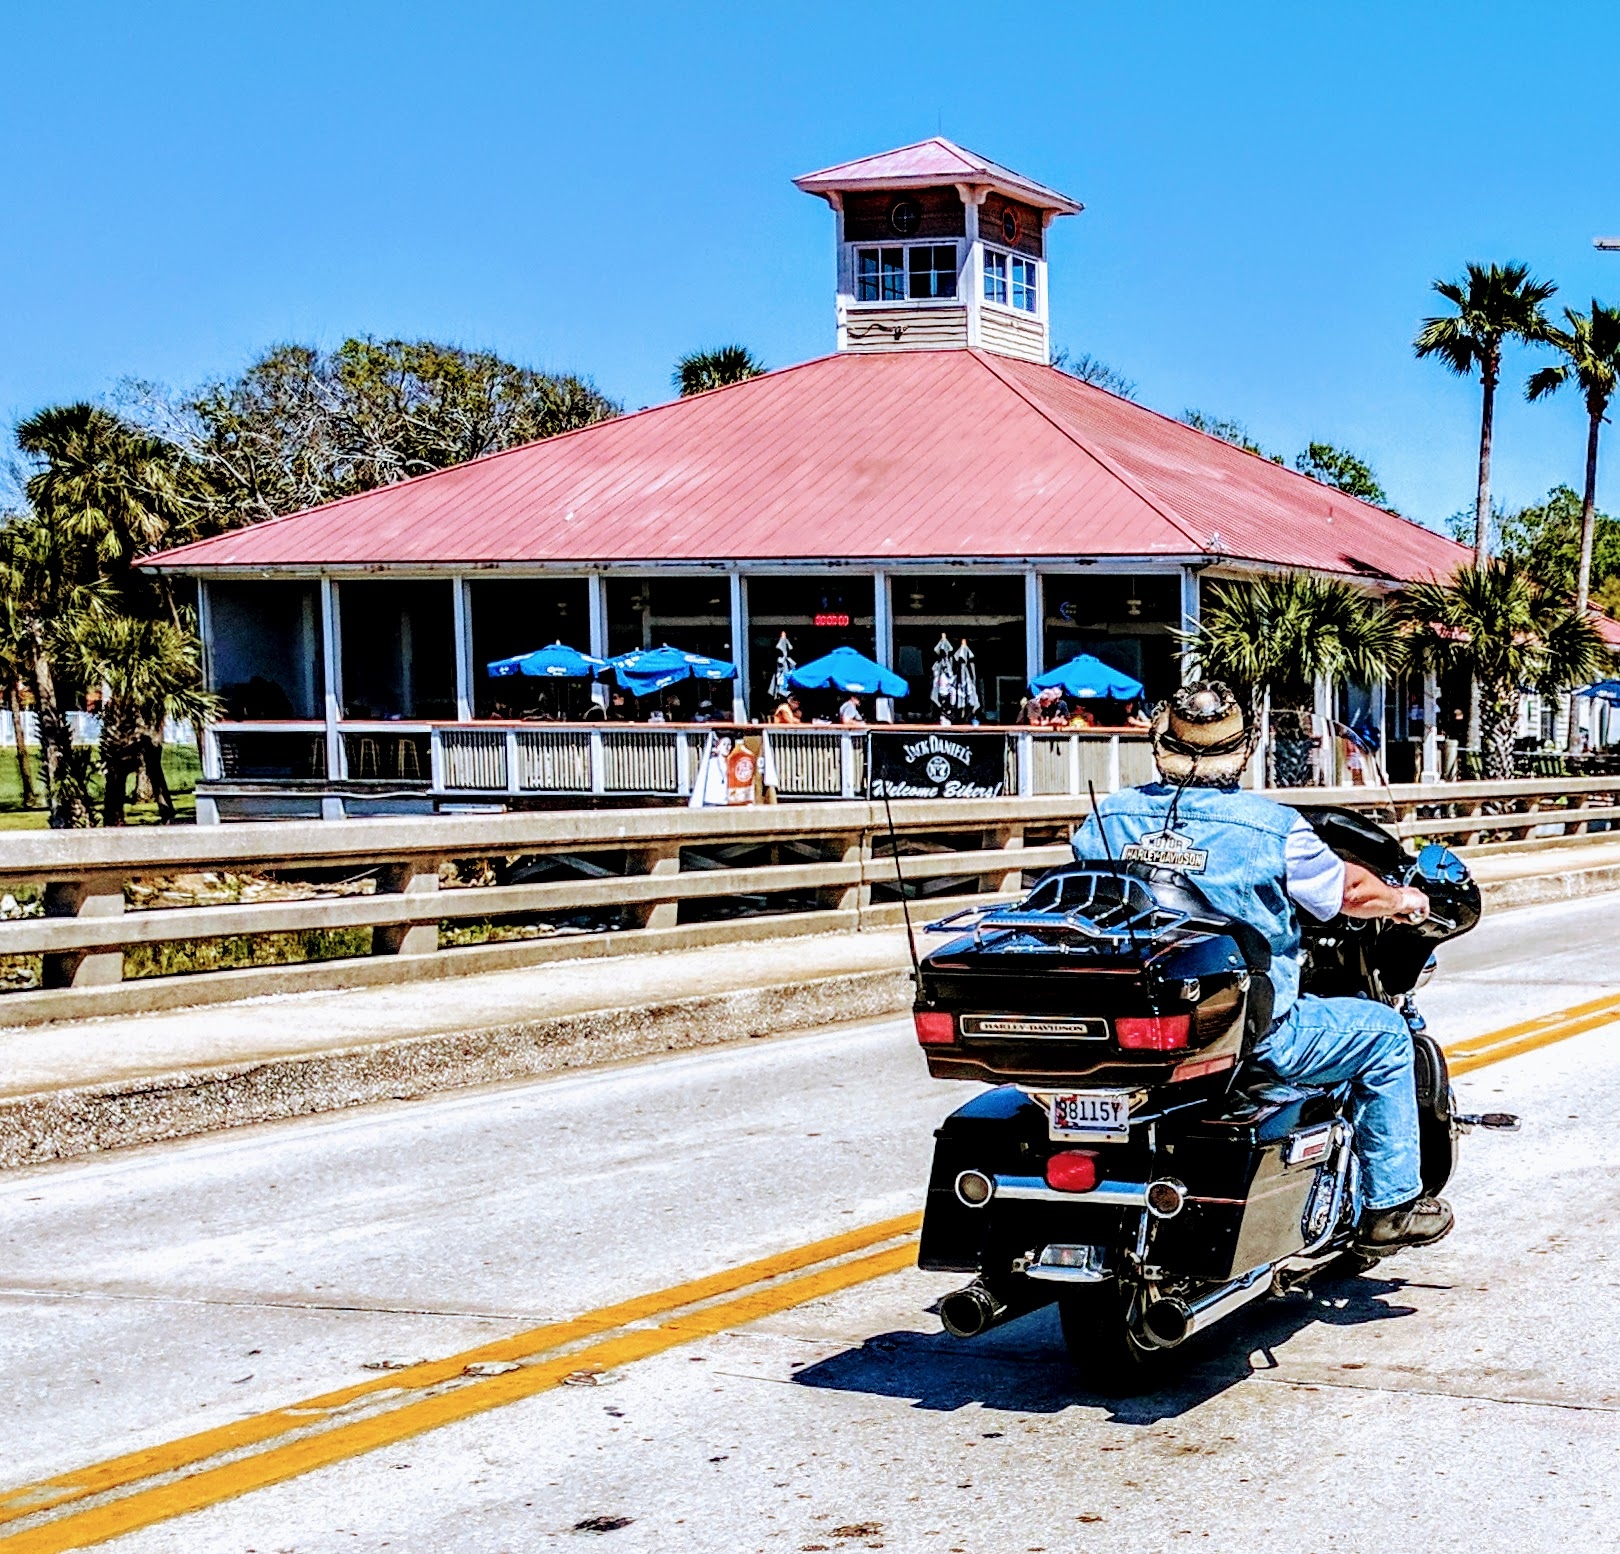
{"x":935,"y":475}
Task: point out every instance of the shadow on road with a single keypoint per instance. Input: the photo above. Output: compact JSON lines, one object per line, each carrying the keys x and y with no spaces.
{"x":1023,"y":1367}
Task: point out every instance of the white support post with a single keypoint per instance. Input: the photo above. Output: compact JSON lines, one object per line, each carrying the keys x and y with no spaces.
{"x":205,"y":631}
{"x":883,"y":635}
{"x":1033,"y":624}
{"x":846,"y":765}
{"x":512,"y":783}
{"x":461,"y":611}
{"x":739,"y":647}
{"x":1431,"y":728}
{"x":598,"y":762}
{"x":683,"y":765}
{"x":1074,"y":766}
{"x":597,"y":598}
{"x":1113,"y":763}
{"x":436,"y":759}
{"x":1191,"y":606}
{"x":1327,"y":750}
{"x":970,"y":286}
{"x":1026,"y":766}
{"x":337,"y":767}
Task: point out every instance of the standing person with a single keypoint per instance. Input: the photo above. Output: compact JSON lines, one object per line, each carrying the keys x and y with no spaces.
{"x":1260,"y":862}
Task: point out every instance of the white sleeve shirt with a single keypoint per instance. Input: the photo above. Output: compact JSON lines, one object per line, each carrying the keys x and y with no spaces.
{"x":1315,"y":872}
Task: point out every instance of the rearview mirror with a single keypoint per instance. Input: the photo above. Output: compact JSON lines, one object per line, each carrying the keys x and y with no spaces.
{"x":1440,"y":866}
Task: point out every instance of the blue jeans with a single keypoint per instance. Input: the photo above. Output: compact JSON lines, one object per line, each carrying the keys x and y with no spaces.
{"x":1328,"y":1041}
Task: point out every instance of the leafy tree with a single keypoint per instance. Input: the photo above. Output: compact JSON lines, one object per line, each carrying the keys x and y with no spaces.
{"x":1507,"y":631}
{"x":301,"y":426}
{"x":1234,"y":432}
{"x":1273,"y":639}
{"x":1545,"y":538}
{"x":699,"y":371}
{"x":1495,"y":303}
{"x":1340,"y":468}
{"x":1090,"y":369}
{"x":1590,"y":347}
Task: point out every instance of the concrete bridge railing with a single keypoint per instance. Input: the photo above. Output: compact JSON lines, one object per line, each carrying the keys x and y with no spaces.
{"x":373,"y":901}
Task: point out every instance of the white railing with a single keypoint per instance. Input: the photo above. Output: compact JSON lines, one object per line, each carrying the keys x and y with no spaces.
{"x":647,"y":758}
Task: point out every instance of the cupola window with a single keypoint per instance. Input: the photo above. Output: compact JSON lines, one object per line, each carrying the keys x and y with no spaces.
{"x":896,"y":274}
{"x":1023,"y":291}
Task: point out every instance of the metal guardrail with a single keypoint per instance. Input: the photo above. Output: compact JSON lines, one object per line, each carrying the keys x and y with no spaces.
{"x":665,"y":878}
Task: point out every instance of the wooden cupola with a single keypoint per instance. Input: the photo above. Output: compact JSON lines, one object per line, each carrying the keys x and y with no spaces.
{"x":940,"y":247}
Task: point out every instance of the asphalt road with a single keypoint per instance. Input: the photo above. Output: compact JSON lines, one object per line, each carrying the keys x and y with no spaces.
{"x":1467,"y":1397}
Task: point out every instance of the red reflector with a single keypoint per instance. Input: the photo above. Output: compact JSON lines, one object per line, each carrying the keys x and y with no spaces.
{"x":1196,"y":1068}
{"x":935,"y":1028}
{"x":1153,"y":1033}
{"x":1072,"y":1170}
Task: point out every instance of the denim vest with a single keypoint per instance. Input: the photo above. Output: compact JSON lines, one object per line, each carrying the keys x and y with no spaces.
{"x":1231,"y":843}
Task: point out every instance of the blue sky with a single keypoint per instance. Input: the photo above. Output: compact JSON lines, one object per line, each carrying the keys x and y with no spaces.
{"x":1269,"y":189}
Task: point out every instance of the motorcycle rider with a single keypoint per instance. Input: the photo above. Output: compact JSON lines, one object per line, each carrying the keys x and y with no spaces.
{"x":1259,"y":861}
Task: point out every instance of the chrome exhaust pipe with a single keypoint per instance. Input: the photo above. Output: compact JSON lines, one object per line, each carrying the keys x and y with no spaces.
{"x":967,"y":1312}
{"x":1171,"y":1321}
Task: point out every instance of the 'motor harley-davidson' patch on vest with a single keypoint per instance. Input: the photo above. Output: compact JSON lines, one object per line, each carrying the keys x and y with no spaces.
{"x":1167,"y":850}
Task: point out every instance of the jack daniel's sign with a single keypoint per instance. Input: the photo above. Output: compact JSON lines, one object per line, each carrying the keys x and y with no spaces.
{"x":938,"y":764}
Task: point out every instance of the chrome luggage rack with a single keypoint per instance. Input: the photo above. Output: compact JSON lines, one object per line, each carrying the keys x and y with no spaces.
{"x":1131,"y":915}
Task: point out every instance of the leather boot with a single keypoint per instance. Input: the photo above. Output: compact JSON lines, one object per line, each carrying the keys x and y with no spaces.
{"x":1421,"y":1222}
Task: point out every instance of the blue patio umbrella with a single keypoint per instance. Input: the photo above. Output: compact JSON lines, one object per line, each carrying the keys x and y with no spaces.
{"x":557,"y":662}
{"x":1086,"y":678}
{"x":844,"y":669}
{"x":1604,"y":690}
{"x":647,"y":670}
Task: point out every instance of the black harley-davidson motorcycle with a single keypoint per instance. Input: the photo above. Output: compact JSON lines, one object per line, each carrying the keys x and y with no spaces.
{"x":1135,"y":1163}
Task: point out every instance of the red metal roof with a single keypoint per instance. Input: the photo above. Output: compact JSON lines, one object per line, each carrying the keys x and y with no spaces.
{"x":888,"y":457}
{"x":934,"y":161}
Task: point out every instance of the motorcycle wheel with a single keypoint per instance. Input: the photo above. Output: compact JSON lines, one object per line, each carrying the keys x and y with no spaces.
{"x":1097,"y":1334}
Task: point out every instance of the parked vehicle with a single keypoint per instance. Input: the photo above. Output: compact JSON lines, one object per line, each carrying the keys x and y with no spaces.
{"x":1133,"y":1163}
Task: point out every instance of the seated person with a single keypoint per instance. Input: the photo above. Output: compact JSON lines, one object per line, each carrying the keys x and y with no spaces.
{"x":850,"y":711}
{"x":788,"y":711}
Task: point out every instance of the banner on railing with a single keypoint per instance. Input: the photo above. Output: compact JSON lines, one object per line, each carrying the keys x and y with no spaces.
{"x":938,"y":764}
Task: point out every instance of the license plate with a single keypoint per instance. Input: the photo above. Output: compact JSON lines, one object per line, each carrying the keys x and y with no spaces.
{"x":1103,"y":1115}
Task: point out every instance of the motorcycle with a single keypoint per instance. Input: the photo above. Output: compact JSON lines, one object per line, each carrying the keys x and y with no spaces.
{"x":1135,"y":1163}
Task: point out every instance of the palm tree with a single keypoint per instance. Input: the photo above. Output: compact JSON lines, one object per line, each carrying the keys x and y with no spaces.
{"x":1495,"y":303}
{"x":50,"y":586}
{"x":699,"y":371}
{"x":1590,"y":347}
{"x":1501,"y":626}
{"x":112,"y":487}
{"x":1274,"y":639}
{"x":152,"y":672}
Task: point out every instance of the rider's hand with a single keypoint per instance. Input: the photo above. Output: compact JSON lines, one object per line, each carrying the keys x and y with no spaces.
{"x":1414,"y":907}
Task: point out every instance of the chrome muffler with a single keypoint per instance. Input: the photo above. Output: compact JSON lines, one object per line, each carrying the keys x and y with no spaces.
{"x":976,"y":1308}
{"x":1170,"y":1321}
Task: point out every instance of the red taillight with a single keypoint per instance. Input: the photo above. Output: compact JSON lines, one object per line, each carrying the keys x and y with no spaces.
{"x":1072,"y":1170}
{"x":1153,"y":1033}
{"x":935,"y":1028}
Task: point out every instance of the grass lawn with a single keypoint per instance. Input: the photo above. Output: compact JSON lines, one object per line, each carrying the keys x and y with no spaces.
{"x":180,"y":762}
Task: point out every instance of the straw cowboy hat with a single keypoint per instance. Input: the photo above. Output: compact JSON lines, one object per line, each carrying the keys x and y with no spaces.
{"x":1200,"y":736}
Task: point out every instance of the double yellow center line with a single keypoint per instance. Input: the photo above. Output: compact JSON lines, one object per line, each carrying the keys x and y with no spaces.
{"x":107,"y":1499}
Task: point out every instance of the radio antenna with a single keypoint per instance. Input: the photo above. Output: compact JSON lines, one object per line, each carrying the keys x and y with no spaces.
{"x":1124,"y":889}
{"x":900,"y":879}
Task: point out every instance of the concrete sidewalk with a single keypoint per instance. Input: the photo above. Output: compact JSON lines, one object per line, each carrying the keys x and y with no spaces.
{"x":72,"y":1089}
